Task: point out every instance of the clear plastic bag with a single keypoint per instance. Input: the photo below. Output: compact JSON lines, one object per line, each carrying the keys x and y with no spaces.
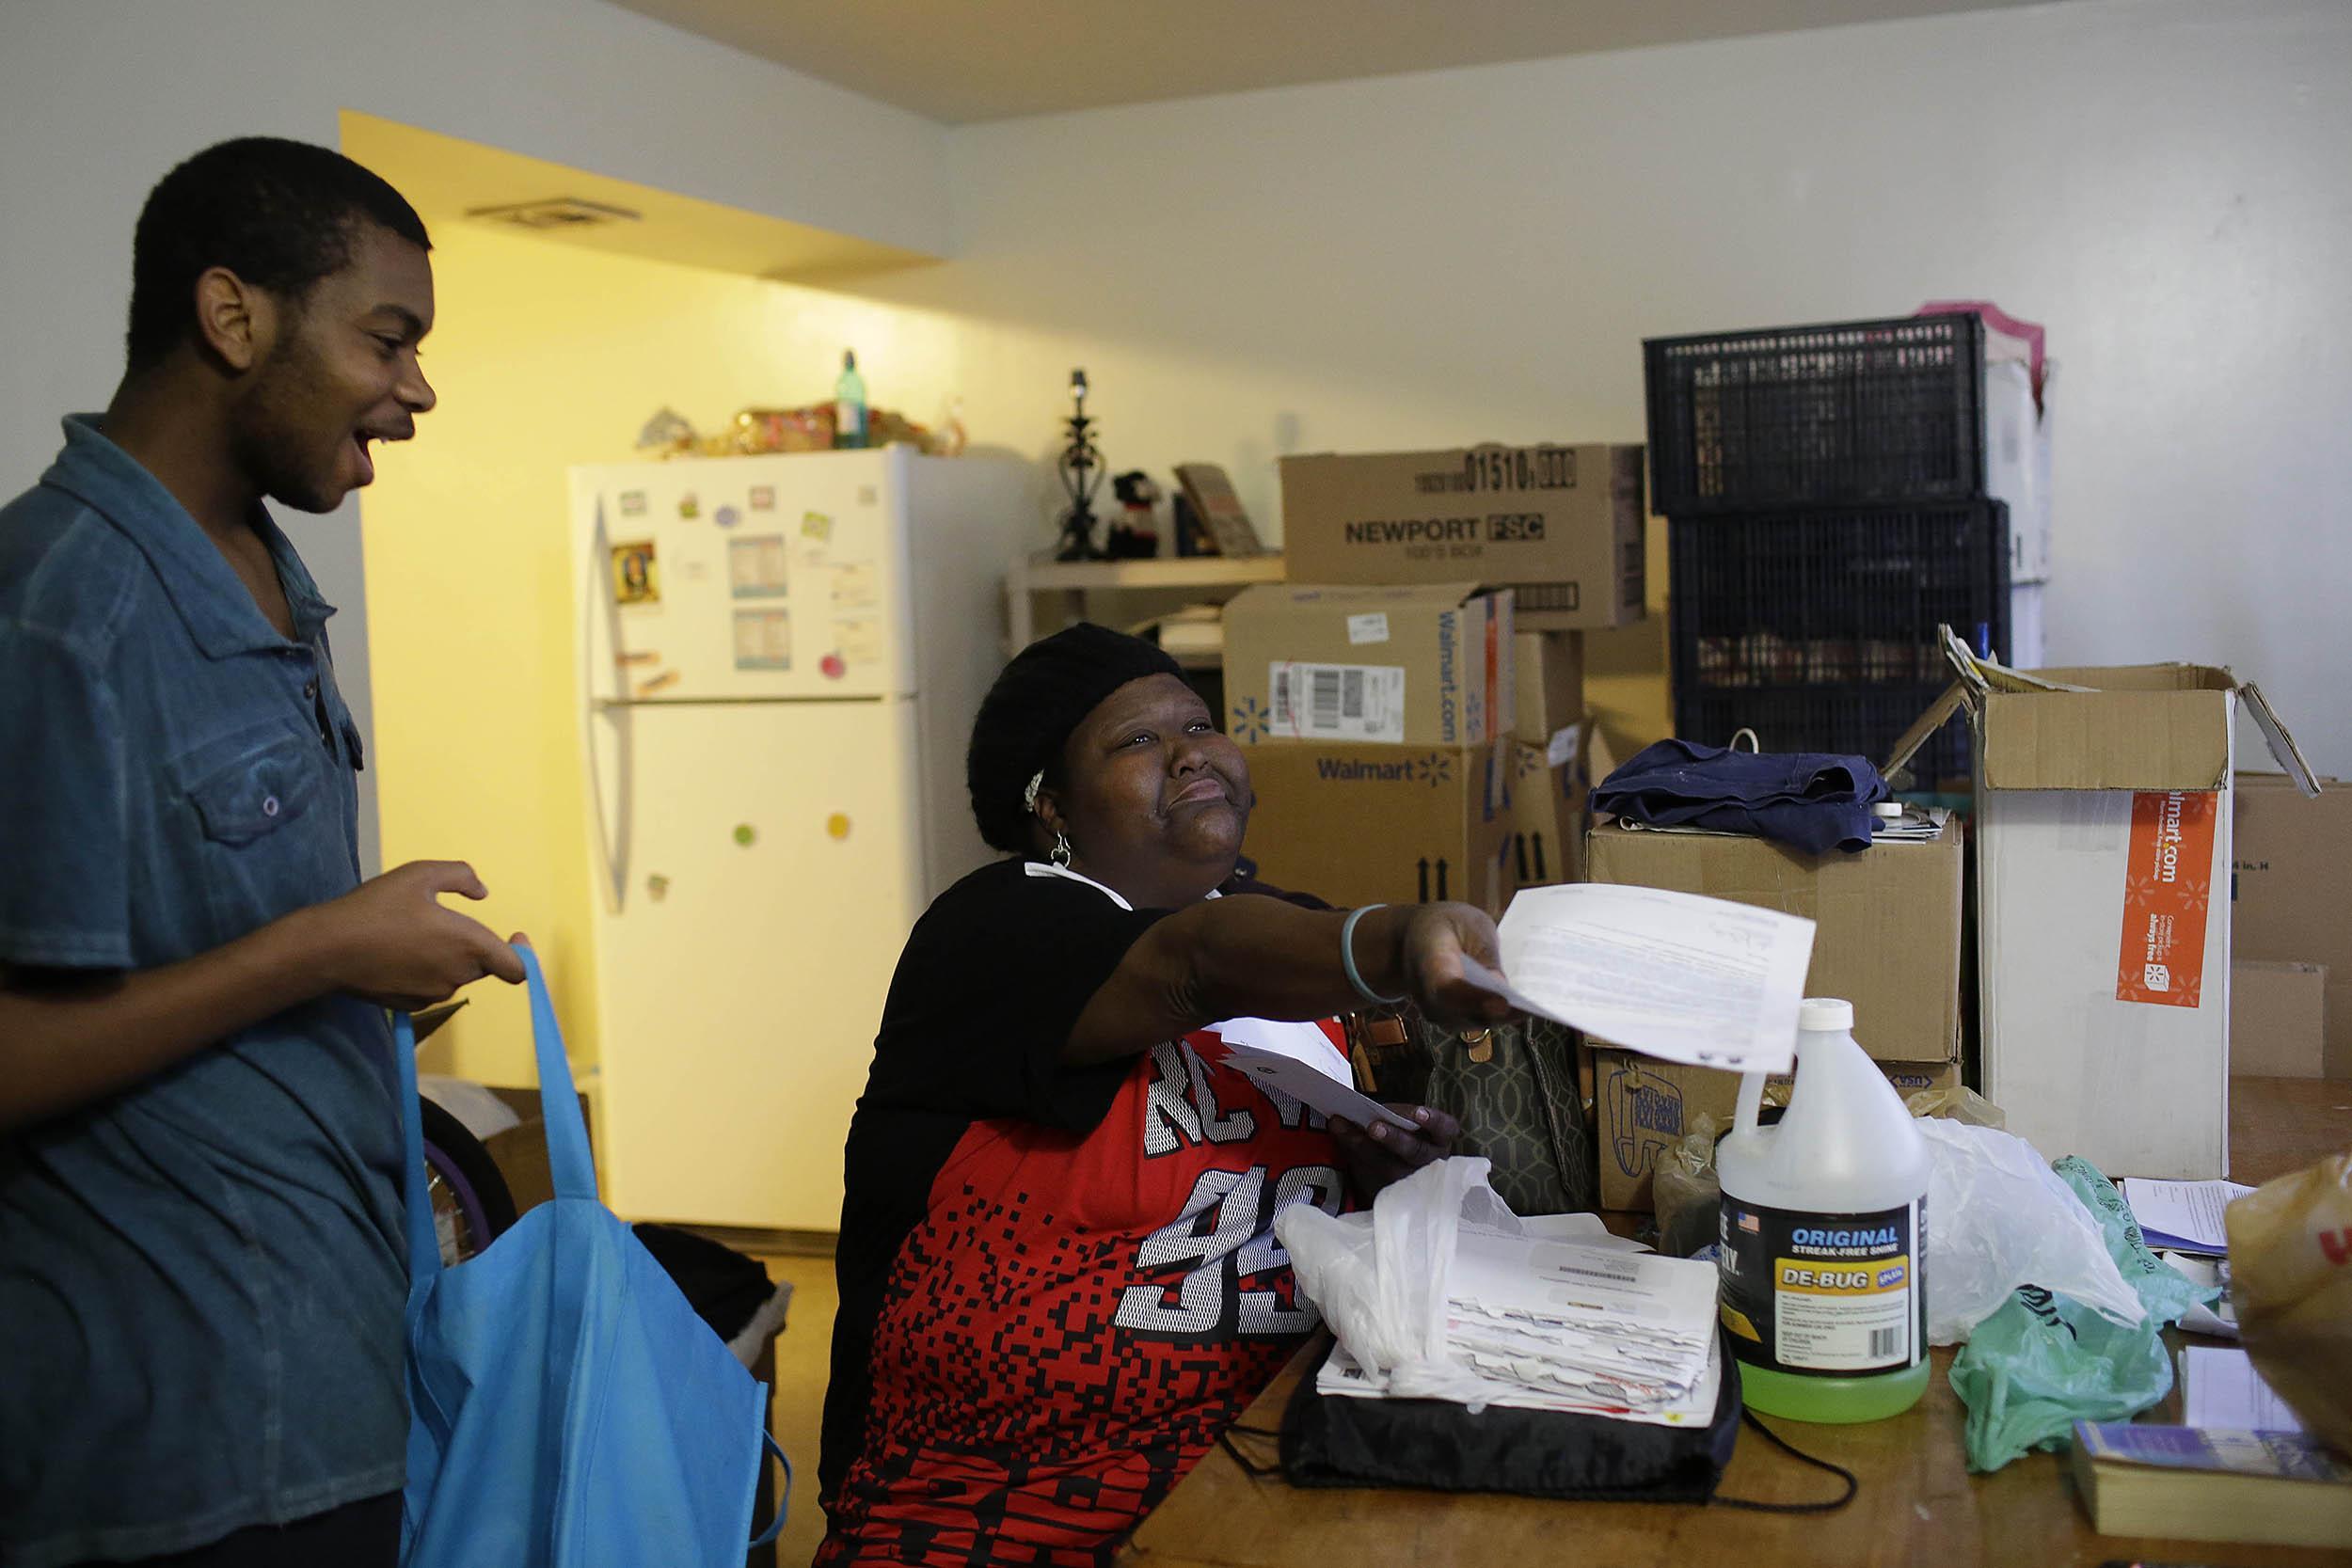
{"x":1379,"y":1278}
{"x":2291,"y":1279}
{"x":1998,"y":1218}
{"x":1686,"y":1191}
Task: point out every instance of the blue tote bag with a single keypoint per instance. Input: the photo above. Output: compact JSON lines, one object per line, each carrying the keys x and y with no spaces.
{"x":568,"y":1407}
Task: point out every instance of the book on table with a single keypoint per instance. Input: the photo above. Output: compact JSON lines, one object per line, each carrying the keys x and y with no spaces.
{"x":2193,"y":1483}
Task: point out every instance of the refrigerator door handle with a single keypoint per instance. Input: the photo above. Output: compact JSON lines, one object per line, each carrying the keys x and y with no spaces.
{"x":612,"y":832}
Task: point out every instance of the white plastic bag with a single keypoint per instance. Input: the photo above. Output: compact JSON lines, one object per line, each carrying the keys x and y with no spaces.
{"x":1998,"y":1217}
{"x":1379,"y":1278}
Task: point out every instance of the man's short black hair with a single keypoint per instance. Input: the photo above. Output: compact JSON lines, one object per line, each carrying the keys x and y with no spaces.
{"x":280,"y":215}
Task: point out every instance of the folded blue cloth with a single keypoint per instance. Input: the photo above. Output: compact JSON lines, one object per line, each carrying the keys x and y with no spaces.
{"x":1810,"y":800}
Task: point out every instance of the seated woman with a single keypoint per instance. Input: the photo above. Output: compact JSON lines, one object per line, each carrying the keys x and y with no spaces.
{"x":1057,"y":1269}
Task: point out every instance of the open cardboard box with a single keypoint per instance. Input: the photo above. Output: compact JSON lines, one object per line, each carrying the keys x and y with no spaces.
{"x":2104,"y":800}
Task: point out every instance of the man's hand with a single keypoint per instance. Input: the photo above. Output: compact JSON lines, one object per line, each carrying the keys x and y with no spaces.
{"x":390,"y":942}
{"x":1382,"y":1154}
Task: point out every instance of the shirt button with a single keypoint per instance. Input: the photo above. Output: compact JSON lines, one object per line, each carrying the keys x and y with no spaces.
{"x":269,"y":805}
{"x":311,"y":689}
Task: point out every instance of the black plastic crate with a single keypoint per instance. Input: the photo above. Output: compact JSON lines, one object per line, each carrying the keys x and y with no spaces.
{"x":1854,"y":720}
{"x":1834,"y":597}
{"x":1846,"y":412}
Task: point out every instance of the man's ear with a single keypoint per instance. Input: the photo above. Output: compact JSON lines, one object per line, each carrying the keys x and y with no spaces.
{"x":234,"y":320}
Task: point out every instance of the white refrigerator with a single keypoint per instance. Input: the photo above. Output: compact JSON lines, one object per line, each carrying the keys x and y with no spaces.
{"x":780,"y":659}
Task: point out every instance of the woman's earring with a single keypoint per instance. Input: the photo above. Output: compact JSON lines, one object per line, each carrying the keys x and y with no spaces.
{"x":1060,"y":855}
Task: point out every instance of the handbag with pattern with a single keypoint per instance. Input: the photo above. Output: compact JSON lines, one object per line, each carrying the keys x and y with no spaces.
{"x":1512,"y":1086}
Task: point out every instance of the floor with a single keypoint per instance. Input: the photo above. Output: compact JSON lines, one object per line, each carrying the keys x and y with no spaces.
{"x":797,"y":1401}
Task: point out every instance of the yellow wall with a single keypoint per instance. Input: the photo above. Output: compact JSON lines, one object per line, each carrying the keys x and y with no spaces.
{"x":546,"y":355}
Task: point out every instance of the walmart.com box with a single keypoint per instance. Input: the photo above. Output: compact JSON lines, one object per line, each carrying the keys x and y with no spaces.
{"x":1370,"y":824}
{"x":2102,"y":917}
{"x":1426,"y":665}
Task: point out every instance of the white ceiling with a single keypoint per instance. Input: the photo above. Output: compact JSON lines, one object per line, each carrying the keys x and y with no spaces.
{"x":958,"y":61}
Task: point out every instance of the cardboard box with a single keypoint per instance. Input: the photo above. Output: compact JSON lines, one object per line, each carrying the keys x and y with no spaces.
{"x":2103,"y":820}
{"x":2291,"y":889}
{"x":1641,"y":1107}
{"x":1548,"y":683}
{"x":1566,"y":521}
{"x":1888,"y":920}
{"x":1368,"y":824}
{"x":2278,"y":1019}
{"x":1411,"y":665}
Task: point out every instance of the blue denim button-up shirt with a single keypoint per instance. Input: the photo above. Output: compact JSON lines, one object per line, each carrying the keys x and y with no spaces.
{"x":200,"y":1278}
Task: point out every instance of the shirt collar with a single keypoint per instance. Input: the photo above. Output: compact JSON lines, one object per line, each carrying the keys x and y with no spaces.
{"x":202,"y":586}
{"x":1046,"y":868}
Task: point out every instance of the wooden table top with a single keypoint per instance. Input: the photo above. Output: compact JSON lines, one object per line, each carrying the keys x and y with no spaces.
{"x":1917,"y":1504}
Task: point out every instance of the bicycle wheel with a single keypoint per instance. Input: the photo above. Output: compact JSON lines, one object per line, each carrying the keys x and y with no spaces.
{"x":471,"y":1205}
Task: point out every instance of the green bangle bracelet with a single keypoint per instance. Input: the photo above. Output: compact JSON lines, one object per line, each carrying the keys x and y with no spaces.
{"x":1347,"y":958}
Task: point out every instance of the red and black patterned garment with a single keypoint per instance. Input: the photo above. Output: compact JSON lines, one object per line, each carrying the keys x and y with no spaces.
{"x":1058,"y":1285}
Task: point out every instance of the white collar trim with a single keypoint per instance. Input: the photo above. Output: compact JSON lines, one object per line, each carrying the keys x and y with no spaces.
{"x":1046,"y":868}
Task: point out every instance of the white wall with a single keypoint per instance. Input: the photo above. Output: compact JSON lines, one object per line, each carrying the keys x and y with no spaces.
{"x":98,"y":97}
{"x":1476,"y":254}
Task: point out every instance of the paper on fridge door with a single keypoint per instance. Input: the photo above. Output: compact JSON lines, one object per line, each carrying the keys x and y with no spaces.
{"x":1670,"y":975}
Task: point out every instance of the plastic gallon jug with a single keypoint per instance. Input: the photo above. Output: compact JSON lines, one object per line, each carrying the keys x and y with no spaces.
{"x":1823,"y":1225}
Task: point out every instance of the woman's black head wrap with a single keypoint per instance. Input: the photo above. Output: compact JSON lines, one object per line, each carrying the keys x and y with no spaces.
{"x":1040,"y":698}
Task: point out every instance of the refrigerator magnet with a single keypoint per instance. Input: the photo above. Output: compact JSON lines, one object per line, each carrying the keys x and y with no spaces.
{"x":859,"y":639}
{"x":816,"y":526}
{"x":725,"y":517}
{"x":833,"y":667}
{"x":763,"y":640}
{"x":633,"y":503}
{"x":856,"y":585}
{"x":636,"y":574}
{"x":756,"y":567}
{"x":763,"y":498}
{"x":688,"y":506}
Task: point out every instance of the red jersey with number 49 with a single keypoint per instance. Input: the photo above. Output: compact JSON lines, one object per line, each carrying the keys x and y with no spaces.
{"x":1076,"y":1318}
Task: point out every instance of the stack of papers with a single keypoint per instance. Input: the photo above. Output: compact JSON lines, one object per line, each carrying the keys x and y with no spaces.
{"x":1587,"y":1325}
{"x":2184,"y":1216}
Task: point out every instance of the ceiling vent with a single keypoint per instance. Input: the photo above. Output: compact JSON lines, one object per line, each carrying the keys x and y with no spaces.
{"x":562,"y":212}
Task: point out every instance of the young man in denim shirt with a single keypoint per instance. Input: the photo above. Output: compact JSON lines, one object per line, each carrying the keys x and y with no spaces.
{"x":201,"y":1268}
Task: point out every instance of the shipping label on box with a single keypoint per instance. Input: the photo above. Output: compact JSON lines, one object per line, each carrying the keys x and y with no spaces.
{"x":1642,"y":1108}
{"x":1887,"y":921}
{"x":1336,"y":701}
{"x":1567,"y":521}
{"x":1367,"y":824}
{"x":2168,"y":884}
{"x":1411,"y":665}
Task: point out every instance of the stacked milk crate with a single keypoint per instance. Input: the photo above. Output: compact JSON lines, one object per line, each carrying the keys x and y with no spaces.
{"x":1835,"y":493}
